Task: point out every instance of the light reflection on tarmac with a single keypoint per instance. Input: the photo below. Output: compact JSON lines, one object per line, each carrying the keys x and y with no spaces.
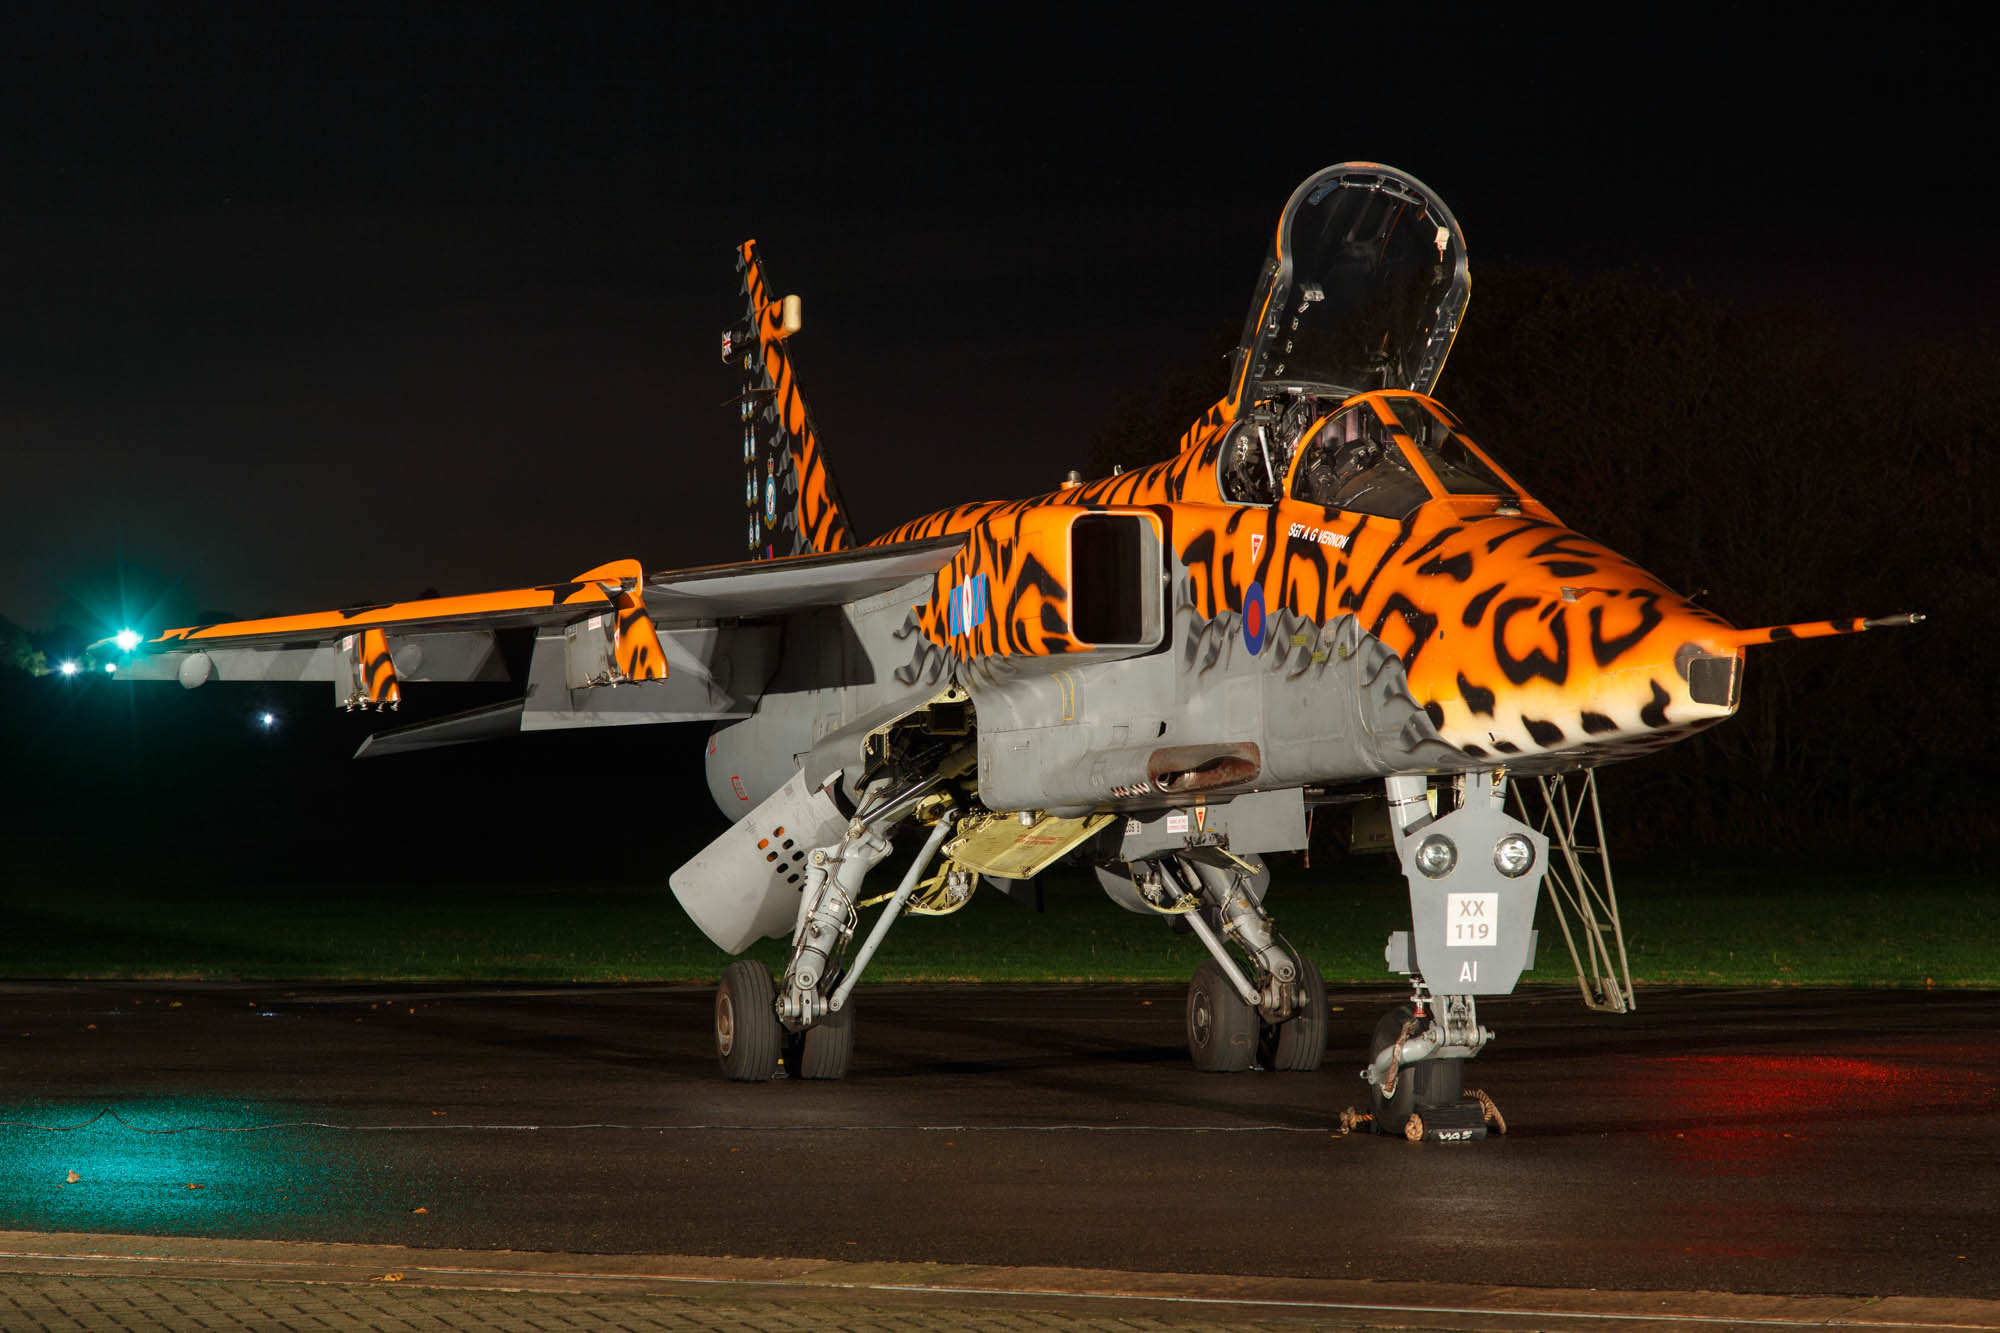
{"x":172,"y":1165}
{"x":1762,"y":1141}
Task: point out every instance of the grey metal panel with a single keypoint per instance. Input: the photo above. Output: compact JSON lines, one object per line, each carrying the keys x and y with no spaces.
{"x":1399,"y":958}
{"x":1273,"y":821}
{"x":745,"y":885}
{"x":841,"y":664}
{"x":477,"y":724}
{"x":773,"y":587}
{"x":714,"y":673}
{"x":1473,"y":926}
{"x":320,"y":662}
{"x":438,"y":655}
{"x":450,"y":655}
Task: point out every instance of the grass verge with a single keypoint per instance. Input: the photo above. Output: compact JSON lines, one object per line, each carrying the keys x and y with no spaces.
{"x":1719,"y":928}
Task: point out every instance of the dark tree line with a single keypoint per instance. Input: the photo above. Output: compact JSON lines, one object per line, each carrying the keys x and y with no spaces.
{"x":1753,"y":457}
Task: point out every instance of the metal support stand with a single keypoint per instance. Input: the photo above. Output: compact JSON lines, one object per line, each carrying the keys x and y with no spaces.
{"x":1586,"y":910}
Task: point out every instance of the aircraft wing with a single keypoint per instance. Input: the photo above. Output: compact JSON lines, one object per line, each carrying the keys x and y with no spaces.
{"x":758,"y":588}
{"x":613,"y":646}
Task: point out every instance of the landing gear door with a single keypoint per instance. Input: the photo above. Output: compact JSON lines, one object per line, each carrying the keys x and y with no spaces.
{"x":1472,"y":921}
{"x":745,"y":885}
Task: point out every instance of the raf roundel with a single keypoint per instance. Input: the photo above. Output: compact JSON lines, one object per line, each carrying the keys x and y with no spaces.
{"x":1253,"y":619}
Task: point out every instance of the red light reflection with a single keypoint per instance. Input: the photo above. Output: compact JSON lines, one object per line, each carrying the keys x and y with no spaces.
{"x":1742,"y":1113}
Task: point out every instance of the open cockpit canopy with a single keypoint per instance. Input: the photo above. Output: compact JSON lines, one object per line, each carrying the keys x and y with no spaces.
{"x":1362,"y":290}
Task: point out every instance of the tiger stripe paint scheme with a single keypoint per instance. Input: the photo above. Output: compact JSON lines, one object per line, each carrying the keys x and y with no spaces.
{"x":581,"y":593}
{"x":1524,"y":642}
{"x":377,"y":675}
{"x":789,"y":491}
{"x":613,"y":588}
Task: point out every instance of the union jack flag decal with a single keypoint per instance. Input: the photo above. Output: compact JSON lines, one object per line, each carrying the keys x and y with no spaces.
{"x":967,"y":611}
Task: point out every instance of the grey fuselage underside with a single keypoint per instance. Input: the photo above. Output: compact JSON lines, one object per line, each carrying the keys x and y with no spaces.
{"x":1320,"y":704}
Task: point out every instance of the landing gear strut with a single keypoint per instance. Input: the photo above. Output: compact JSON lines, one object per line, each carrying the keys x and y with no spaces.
{"x":1275,"y":1014}
{"x":1416,"y":1070}
{"x":807,"y":1018}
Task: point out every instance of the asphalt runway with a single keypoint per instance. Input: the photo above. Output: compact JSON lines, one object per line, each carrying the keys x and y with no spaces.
{"x":1761,"y":1142}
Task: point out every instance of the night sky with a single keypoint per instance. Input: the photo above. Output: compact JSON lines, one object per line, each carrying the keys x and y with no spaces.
{"x":313,"y":304}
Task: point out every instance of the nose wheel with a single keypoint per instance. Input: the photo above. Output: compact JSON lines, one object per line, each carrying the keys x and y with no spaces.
{"x":1418,"y":1088}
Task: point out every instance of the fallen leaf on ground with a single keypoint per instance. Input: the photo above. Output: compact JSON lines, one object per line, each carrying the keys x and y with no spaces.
{"x":420,"y":1210}
{"x":74,"y":1177}
{"x":193,"y":1186}
{"x":387,"y":1277}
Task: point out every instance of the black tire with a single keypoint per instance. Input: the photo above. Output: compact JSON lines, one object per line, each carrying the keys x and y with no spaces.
{"x":1221,"y":1028}
{"x":1419,"y":1086}
{"x":825,"y":1049}
{"x":1298,"y":1044}
{"x":747,"y":1033}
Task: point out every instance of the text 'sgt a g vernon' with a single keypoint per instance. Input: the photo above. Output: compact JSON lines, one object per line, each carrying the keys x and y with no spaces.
{"x":1328,"y":595}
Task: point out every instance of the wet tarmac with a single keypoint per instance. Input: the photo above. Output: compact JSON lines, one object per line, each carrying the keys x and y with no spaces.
{"x":1772,"y":1141}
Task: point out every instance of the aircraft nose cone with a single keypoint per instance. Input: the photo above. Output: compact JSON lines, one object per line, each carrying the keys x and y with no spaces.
{"x":1583,"y":674}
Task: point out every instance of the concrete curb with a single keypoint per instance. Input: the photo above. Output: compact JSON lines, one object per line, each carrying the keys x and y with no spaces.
{"x":1074,"y":1292}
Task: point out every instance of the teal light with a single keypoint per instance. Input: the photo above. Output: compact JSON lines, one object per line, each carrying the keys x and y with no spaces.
{"x":185,"y":1181}
{"x":69,"y":668}
{"x":196,"y":1166}
{"x":126,"y":639}
{"x":110,"y":666}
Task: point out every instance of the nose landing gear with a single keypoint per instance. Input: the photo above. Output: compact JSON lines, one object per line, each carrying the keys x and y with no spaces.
{"x":1416,"y":1074}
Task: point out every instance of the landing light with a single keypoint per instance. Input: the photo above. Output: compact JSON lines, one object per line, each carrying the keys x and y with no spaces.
{"x":69,"y":668}
{"x":267,"y":720}
{"x":1513,"y":855}
{"x":1436,"y":856}
{"x":126,"y":639}
{"x":111,"y":666}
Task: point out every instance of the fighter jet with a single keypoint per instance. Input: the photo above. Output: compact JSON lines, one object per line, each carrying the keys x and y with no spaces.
{"x":1327,"y":595}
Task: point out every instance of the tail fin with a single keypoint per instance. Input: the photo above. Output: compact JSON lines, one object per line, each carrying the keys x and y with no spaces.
{"x":793,"y":507}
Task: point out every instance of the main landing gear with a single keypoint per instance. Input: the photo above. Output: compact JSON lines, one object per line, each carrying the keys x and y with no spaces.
{"x":1273,"y":1016}
{"x":806,"y":1019}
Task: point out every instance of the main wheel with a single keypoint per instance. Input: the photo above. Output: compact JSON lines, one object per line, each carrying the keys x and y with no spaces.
{"x":1221,"y":1028}
{"x":1424,"y":1084}
{"x":747,"y":1033}
{"x":824,"y":1049}
{"x":1299,"y":1043}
